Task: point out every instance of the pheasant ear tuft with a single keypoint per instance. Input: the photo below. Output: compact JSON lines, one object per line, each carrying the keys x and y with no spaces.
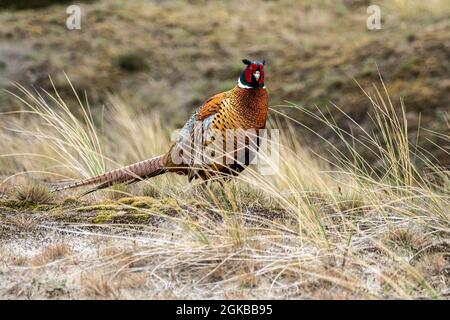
{"x":264,"y":62}
{"x":247,"y":62}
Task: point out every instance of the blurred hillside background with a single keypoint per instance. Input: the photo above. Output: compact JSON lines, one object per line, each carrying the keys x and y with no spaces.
{"x":169,"y":56}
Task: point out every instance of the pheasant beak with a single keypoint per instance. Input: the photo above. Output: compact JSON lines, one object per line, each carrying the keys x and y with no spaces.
{"x":257,"y":74}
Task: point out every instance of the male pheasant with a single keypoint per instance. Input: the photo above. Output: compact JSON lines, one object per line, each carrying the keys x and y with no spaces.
{"x":243,"y":108}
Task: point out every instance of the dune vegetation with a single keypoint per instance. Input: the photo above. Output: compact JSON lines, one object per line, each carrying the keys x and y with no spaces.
{"x":357,"y":208}
{"x":317,"y":228}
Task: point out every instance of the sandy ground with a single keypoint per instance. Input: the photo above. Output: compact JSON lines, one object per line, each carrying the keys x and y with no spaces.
{"x":54,"y":260}
{"x":41,"y":258}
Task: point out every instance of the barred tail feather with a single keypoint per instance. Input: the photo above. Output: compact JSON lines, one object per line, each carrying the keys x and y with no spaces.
{"x":129,"y":174}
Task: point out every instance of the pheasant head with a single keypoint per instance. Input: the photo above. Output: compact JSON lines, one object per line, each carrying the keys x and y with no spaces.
{"x":253,"y":75}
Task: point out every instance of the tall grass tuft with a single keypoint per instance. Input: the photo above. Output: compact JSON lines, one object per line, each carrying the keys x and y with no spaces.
{"x":72,"y":139}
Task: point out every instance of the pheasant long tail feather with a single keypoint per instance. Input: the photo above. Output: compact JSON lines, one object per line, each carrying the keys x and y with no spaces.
{"x":129,"y":174}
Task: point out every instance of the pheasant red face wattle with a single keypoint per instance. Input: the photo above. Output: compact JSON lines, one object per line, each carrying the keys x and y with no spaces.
{"x":253,"y":75}
{"x":248,"y":74}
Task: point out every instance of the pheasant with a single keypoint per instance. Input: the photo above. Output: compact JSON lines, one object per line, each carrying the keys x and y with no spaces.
{"x":243,"y":108}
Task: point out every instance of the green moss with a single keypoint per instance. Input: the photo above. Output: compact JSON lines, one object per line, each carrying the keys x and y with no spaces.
{"x":142,"y":204}
{"x":126,"y":210}
{"x":45,"y":207}
{"x":103,"y":218}
{"x":17,"y":204}
{"x":97,"y":207}
{"x":115,"y":217}
{"x":25,"y":205}
{"x":139,"y":217}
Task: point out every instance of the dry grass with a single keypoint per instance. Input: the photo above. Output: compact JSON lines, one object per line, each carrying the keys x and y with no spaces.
{"x":318,"y":228}
{"x":99,"y":286}
{"x":35,"y":193}
{"x":51,"y":253}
